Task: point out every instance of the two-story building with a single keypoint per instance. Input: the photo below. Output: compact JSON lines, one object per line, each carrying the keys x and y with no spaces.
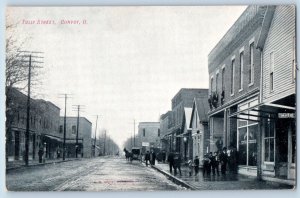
{"x":183,"y":99}
{"x":252,"y":92}
{"x":148,"y":136}
{"x":234,"y":67}
{"x":84,"y":139}
{"x":43,"y":127}
{"x":277,"y":43}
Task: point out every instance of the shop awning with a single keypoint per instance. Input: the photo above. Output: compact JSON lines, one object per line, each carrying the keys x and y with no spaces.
{"x":251,"y":112}
{"x":53,"y":138}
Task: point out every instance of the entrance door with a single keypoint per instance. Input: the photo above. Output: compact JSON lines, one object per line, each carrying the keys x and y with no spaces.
{"x":17,"y":145}
{"x":281,"y":148}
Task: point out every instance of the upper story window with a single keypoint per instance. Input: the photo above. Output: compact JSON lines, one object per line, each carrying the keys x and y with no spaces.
{"x":60,"y":128}
{"x":217,"y":80}
{"x":232,"y":76}
{"x":241,"y":70}
{"x":271,"y":71}
{"x":144,"y":132}
{"x":251,"y":66}
{"x":158,"y":132}
{"x":223,"y":78}
{"x":211,"y":84}
{"x":73,"y":129}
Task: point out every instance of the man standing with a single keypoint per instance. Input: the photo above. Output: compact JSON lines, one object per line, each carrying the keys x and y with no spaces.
{"x":152,"y":158}
{"x":223,"y":160}
{"x":171,"y":161}
{"x":147,"y":157}
{"x":196,"y":164}
{"x":177,"y":163}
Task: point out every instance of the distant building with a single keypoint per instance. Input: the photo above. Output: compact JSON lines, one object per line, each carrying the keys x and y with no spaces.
{"x":184,"y":98}
{"x":165,"y":126}
{"x":148,"y":136}
{"x":185,"y":143}
{"x":199,"y":139}
{"x":84,"y":136}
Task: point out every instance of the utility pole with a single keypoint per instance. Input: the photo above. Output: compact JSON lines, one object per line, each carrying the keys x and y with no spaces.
{"x":26,"y":157}
{"x":104,"y":142}
{"x":65,"y":96}
{"x":95,"y":136}
{"x":65,"y":124}
{"x":28,"y":114}
{"x":77,"y":131}
{"x":133,"y":132}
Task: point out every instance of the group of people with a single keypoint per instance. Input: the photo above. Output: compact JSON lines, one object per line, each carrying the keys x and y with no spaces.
{"x":150,"y":157}
{"x":174,"y":160}
{"x":227,"y":159}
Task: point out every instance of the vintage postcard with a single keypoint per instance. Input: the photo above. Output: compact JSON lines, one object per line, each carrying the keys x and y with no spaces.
{"x":150,"y":98}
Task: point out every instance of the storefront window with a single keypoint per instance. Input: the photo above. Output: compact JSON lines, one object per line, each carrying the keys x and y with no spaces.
{"x":269,"y":141}
{"x":252,"y":145}
{"x":247,"y":132}
{"x":242,"y":146}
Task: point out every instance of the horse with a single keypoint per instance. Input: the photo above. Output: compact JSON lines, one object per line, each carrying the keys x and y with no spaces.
{"x":128,"y":155}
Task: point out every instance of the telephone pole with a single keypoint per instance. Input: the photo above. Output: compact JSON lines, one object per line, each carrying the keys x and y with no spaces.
{"x":77,"y":131}
{"x":65,"y":96}
{"x":133,"y":132}
{"x":104,"y":142}
{"x":28,"y":54}
{"x":95,"y":136}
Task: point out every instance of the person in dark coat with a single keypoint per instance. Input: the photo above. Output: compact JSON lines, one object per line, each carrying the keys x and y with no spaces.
{"x":147,"y":158}
{"x":171,"y":161}
{"x":196,"y":165}
{"x":152,"y":158}
{"x":206,"y":165}
{"x":215,"y":163}
{"x":177,"y":163}
{"x":232,"y":159}
{"x":223,"y":160}
{"x":41,"y":153}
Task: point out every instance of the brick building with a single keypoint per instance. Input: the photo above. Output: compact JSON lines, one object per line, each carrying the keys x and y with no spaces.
{"x":165,"y":126}
{"x":43,"y":127}
{"x":84,"y":136}
{"x":183,"y":99}
{"x":234,"y":67}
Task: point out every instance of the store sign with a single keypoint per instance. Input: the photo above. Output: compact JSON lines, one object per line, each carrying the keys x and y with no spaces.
{"x":286,"y":115}
{"x":145,"y":144}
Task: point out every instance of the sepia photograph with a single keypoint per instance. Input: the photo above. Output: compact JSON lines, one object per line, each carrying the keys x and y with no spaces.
{"x":150,"y":98}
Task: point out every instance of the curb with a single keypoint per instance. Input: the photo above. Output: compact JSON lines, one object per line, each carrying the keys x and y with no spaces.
{"x":39,"y":164}
{"x":174,"y":179}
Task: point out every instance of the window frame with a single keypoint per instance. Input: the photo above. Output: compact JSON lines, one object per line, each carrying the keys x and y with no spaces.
{"x":251,"y":61}
{"x":232,"y":76}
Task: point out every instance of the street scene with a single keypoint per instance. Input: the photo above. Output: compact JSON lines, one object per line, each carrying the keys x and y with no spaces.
{"x":158,"y":98}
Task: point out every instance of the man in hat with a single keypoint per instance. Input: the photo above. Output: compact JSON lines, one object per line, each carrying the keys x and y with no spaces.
{"x":223,"y":160}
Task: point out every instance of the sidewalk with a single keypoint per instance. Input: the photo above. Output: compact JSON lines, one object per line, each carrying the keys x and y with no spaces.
{"x":20,"y":163}
{"x":222,"y":182}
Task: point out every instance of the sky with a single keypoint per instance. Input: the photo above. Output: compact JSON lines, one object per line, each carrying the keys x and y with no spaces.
{"x":124,"y":63}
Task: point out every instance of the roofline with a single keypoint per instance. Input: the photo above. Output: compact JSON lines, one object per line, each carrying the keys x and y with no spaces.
{"x":76,"y":117}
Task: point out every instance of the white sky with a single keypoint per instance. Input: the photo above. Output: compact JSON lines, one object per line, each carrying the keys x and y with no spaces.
{"x":126,"y":62}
